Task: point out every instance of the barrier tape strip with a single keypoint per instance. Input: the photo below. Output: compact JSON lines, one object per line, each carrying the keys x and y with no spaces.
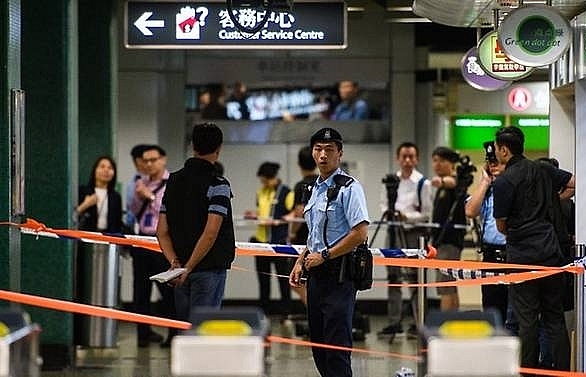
{"x":461,"y":274}
{"x":97,"y":311}
{"x":33,"y":227}
{"x":550,"y":372}
{"x":513,"y":278}
{"x":392,"y":257}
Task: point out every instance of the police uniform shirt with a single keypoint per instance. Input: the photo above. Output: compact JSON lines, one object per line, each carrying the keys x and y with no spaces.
{"x":346,"y":211}
{"x":490,"y":234}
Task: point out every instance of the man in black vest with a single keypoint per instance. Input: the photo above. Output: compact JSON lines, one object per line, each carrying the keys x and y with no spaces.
{"x":523,"y":197}
{"x":195,"y":227}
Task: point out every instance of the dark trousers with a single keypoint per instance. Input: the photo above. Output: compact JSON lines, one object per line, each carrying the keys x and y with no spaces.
{"x":495,"y":296}
{"x":146,"y":263}
{"x":263,"y":269}
{"x":541,"y":298}
{"x":330,"y":307}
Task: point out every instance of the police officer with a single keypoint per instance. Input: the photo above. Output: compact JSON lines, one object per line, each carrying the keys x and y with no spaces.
{"x":337,"y":219}
{"x":493,"y":243}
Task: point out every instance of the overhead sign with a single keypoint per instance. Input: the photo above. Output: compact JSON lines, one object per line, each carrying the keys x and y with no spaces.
{"x":475,"y":75}
{"x":165,"y":25}
{"x":535,"y":35}
{"x":495,"y":61}
{"x":520,"y":98}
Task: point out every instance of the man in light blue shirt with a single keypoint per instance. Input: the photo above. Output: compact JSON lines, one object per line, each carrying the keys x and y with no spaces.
{"x":493,"y":243}
{"x":337,"y":219}
{"x":351,"y":107}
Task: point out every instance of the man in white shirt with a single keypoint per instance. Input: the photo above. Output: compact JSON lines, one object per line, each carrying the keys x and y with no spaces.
{"x":412,"y":193}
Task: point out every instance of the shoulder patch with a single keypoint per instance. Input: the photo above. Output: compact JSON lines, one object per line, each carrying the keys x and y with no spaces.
{"x":343,"y":180}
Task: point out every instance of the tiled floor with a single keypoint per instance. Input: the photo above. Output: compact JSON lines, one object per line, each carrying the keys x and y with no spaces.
{"x":284,"y":360}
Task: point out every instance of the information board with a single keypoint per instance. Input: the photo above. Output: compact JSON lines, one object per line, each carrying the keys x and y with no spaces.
{"x":165,"y":25}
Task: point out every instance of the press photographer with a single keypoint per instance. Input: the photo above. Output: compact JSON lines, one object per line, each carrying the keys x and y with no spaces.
{"x":454,"y":174}
{"x":492,"y":243}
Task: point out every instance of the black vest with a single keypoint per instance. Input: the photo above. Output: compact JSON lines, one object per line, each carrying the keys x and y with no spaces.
{"x":187,"y":204}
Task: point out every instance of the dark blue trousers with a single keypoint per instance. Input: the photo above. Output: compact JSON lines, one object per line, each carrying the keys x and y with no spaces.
{"x":330,"y":307}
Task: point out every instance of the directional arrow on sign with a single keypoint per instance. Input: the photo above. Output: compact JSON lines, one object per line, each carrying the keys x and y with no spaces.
{"x":143,"y":23}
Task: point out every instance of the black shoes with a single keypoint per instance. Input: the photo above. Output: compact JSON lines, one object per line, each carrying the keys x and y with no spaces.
{"x":153,"y":337}
{"x":412,"y":332}
{"x":391,"y":330}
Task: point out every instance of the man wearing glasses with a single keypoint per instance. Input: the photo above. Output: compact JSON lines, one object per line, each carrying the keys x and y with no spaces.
{"x":145,"y":205}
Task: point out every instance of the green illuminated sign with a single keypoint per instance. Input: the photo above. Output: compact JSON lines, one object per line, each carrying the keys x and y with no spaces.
{"x":471,"y":130}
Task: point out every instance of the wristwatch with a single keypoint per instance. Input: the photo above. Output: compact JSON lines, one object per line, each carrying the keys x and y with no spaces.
{"x":325,"y":254}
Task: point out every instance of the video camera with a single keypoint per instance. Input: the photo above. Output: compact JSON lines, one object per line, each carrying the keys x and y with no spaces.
{"x":391,"y":181}
{"x":465,"y":172}
{"x":489,"y":152}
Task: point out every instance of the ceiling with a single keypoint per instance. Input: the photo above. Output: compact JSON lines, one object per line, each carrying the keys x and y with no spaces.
{"x":481,"y":13}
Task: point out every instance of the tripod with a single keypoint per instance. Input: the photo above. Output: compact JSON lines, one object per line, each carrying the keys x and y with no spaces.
{"x":397,"y":238}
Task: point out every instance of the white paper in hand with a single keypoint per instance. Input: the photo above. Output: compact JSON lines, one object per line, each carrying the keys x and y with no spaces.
{"x":168,"y":275}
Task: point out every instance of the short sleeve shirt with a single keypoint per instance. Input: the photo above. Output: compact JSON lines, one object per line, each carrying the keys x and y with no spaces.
{"x":345,"y":212}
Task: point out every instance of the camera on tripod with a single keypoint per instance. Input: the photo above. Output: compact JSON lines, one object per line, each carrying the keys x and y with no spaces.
{"x":391,"y":181}
{"x":465,"y":172}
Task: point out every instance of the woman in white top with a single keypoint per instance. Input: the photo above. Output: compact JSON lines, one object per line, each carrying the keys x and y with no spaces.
{"x":100,"y":205}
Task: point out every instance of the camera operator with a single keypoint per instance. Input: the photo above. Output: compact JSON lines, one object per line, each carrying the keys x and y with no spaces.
{"x":523,"y":196}
{"x":448,"y":211}
{"x":493,"y":242}
{"x":410,"y":192}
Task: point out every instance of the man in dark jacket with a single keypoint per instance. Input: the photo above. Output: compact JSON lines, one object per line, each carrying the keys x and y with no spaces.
{"x":523,"y":197}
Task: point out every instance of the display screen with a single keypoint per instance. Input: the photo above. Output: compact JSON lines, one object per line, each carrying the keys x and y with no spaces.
{"x":280,"y":103}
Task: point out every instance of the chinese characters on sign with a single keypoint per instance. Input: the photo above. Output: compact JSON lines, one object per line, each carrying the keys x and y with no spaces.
{"x":309,"y":25}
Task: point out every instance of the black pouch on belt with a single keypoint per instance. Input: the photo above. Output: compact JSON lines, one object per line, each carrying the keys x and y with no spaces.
{"x":494,"y":253}
{"x":360,"y":267}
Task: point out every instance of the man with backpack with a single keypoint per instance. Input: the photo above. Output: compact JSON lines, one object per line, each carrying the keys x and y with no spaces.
{"x":410,"y":191}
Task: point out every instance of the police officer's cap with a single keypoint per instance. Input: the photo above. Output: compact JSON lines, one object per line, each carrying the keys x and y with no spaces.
{"x":327,"y":135}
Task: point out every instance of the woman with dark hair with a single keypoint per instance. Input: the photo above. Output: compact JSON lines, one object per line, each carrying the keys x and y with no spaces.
{"x":100,"y":205}
{"x":274,"y":200}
